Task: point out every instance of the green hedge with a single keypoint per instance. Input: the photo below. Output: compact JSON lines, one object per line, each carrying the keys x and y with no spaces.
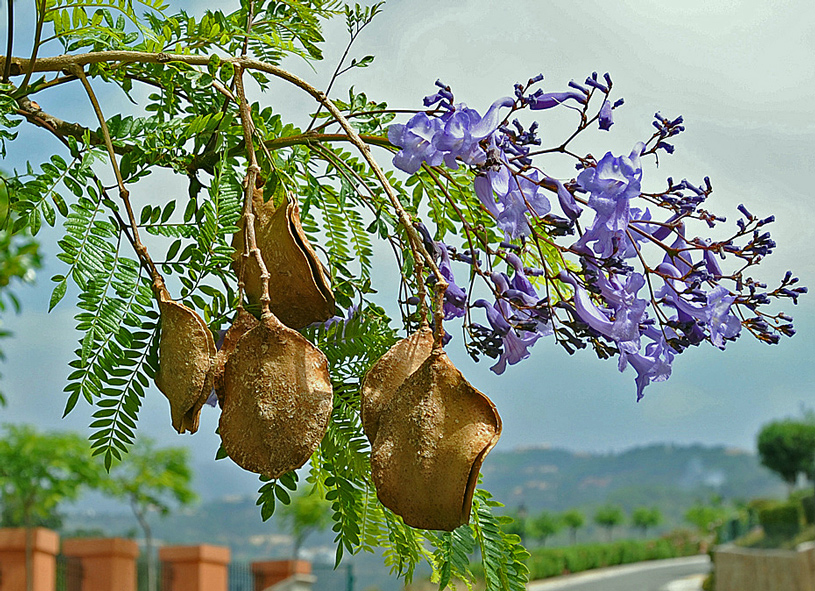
{"x":550,"y":562}
{"x":783,"y":519}
{"x":808,"y":504}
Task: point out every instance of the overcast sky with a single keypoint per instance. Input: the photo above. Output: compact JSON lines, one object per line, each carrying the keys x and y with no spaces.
{"x":741,"y":73}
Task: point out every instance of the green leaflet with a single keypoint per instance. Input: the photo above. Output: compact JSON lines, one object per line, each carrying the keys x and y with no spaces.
{"x":451,"y":557}
{"x":502,"y":555}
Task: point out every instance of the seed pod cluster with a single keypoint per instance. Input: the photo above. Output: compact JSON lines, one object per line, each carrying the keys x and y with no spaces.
{"x":272,"y":384}
{"x":429,"y":429}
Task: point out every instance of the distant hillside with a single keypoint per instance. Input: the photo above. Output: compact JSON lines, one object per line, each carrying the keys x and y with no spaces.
{"x":667,"y":476}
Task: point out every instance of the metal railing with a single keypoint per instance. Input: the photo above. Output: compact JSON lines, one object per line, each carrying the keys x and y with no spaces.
{"x":241,"y":577}
{"x":69,"y":573}
{"x":163,"y":576}
{"x":329,"y":579}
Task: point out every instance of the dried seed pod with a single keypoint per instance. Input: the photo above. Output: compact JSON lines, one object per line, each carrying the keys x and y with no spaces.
{"x":241,"y":324}
{"x":277,"y":399}
{"x":431,"y":440}
{"x":186,"y":354}
{"x":299,"y":290}
{"x":388,"y":373}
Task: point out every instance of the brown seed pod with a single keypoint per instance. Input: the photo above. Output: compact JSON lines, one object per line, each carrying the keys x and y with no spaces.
{"x":299,"y":290}
{"x":186,"y":354}
{"x":241,"y":324}
{"x":388,"y":373}
{"x":277,"y":399}
{"x":432,"y":438}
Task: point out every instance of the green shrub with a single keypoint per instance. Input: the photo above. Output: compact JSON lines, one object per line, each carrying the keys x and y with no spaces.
{"x":780,"y":520}
{"x":808,"y":503}
{"x":550,"y":562}
{"x":546,"y":564}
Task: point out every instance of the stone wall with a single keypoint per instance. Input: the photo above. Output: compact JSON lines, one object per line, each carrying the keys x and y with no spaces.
{"x":743,"y":569}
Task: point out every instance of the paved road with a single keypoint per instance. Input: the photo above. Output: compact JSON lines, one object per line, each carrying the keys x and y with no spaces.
{"x":676,"y":574}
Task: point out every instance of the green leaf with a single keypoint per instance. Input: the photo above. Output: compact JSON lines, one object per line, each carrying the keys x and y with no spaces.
{"x":58,"y":294}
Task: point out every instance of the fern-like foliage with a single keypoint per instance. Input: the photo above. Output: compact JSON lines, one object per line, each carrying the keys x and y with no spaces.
{"x":451,"y":557}
{"x":117,"y":324}
{"x":503,"y":558}
{"x":90,"y":23}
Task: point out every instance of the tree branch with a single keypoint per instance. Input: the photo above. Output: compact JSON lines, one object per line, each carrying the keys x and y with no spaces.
{"x":62,"y":62}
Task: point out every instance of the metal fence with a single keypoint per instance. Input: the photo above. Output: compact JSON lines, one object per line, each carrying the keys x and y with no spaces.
{"x":163,"y":575}
{"x":69,"y":573}
{"x":329,"y":579}
{"x":241,"y":577}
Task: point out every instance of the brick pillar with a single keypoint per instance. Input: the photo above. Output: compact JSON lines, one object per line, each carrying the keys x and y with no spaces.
{"x":44,"y":548}
{"x":195,"y":568}
{"x":271,"y":572}
{"x":108,"y":564}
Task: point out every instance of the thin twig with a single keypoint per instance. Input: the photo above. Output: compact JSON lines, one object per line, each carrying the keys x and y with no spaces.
{"x":250,"y":247}
{"x":36,"y":47}
{"x":124,"y":194}
{"x":9,"y":40}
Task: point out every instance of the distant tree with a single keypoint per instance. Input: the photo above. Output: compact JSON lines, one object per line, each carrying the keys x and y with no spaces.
{"x":706,"y":518}
{"x":574,"y":520}
{"x":516,"y":523}
{"x":644,"y":518}
{"x":788,"y":448}
{"x":609,"y":517}
{"x":544,"y":525}
{"x":305,"y":514}
{"x":19,"y":257}
{"x":152,"y":479}
{"x":38,"y":473}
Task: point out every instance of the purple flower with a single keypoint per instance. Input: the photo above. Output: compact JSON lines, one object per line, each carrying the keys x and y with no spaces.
{"x":416,"y":140}
{"x":516,"y":343}
{"x":517,"y":195}
{"x":620,"y":323}
{"x":605,"y":116}
{"x":624,"y":323}
{"x":547,"y":100}
{"x":519,"y":280}
{"x":612,"y":184}
{"x":652,"y":366}
{"x":567,"y":201}
{"x":723,"y":324}
{"x":455,"y":297}
{"x":525,"y":195}
{"x":525,"y":306}
{"x":711,"y":264}
{"x":715,"y":313}
{"x":464,"y":129}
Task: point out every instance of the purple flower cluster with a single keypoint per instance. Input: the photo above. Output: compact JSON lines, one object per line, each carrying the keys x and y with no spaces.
{"x":518,"y":316}
{"x":454,"y":136}
{"x":593,"y":293}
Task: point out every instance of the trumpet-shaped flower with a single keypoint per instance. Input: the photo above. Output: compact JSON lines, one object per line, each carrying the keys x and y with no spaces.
{"x":416,"y":140}
{"x":612,"y":184}
{"x":464,"y":128}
